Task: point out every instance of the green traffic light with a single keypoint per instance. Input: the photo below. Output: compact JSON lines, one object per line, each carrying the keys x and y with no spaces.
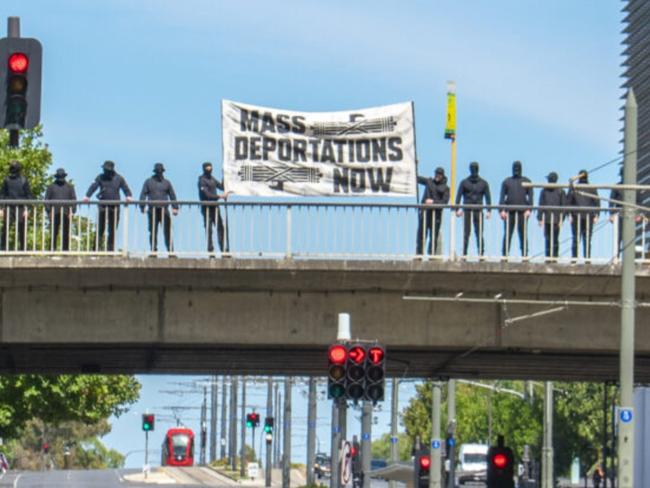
{"x":249,"y":424}
{"x":146,"y":427}
{"x":337,"y":391}
{"x":268,"y":429}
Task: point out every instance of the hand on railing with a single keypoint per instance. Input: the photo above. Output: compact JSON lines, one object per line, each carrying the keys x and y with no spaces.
{"x":86,"y":199}
{"x":459,"y":212}
{"x":174,"y":211}
{"x":225,"y":195}
{"x":503,"y":214}
{"x":428,"y":201}
{"x":129,"y":199}
{"x":527,"y":213}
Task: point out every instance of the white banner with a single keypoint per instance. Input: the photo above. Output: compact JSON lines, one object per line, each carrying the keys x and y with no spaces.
{"x":271,"y":152}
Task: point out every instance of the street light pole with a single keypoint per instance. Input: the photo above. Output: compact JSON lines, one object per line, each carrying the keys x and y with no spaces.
{"x":547,"y":449}
{"x":626,"y":417}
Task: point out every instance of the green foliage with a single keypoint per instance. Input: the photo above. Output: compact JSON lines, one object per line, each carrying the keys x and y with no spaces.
{"x":577,"y":419}
{"x":57,"y":399}
{"x":73,"y":445}
{"x":381,"y":447}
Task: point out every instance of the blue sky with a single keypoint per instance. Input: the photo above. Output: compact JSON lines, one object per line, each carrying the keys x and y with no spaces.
{"x":140,"y":82}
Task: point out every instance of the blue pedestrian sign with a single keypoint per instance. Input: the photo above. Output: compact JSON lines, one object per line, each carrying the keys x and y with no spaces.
{"x":393,"y":440}
{"x":452,"y":442}
{"x":365,"y":437}
{"x":626,"y":415}
{"x":435,"y":444}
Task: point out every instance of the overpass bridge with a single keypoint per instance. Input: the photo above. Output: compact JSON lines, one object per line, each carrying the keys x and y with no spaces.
{"x":277,"y":316}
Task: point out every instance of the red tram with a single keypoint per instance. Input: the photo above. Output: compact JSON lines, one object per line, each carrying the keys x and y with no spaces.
{"x":178,"y":447}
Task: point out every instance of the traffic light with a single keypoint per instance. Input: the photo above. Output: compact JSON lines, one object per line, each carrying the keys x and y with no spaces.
{"x":268,"y":425}
{"x":500,"y":473}
{"x":355,"y":461}
{"x":46,"y":448}
{"x":422,"y":468}
{"x":148,"y":421}
{"x":20,"y":75}
{"x":252,"y":420}
{"x":356,"y":372}
{"x":375,"y":374}
{"x":337,"y":357}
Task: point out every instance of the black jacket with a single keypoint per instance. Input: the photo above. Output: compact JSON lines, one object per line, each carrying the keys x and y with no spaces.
{"x":58,"y":191}
{"x":16,"y":188}
{"x":473,"y":190}
{"x":617,"y":194}
{"x":551,"y":197}
{"x":513,"y":192}
{"x":433,"y":190}
{"x":109,"y":187}
{"x":208,"y":187}
{"x":576,"y":200}
{"x":158,"y":189}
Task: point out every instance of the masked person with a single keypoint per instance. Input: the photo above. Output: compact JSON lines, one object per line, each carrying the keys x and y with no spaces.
{"x":473,"y":190}
{"x":583,"y":221}
{"x":59,"y":213}
{"x":513,"y":193}
{"x":158,"y":188}
{"x":109,"y":183}
{"x":208,"y":187}
{"x":551,"y":219}
{"x":436,"y":192}
{"x":15,"y":187}
{"x":615,"y":212}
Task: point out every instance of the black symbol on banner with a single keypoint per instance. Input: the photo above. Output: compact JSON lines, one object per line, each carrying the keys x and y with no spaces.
{"x":325,"y":129}
{"x":277,"y":175}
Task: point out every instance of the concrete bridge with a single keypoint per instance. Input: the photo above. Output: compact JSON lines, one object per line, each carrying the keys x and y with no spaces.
{"x":127,"y":315}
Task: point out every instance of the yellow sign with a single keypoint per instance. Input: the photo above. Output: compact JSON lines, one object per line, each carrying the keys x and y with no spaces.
{"x":450,"y":128}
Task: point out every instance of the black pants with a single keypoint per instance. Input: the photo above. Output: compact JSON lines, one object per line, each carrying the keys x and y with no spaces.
{"x":515,"y":218}
{"x":13,"y":220}
{"x":157,"y":216}
{"x":475,"y":218}
{"x":60,"y":221}
{"x":552,"y":239}
{"x":428,"y":221}
{"x":582,"y":229}
{"x":109,"y":216}
{"x":212,"y":216}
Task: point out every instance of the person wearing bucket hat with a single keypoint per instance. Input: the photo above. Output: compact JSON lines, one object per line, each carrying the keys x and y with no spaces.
{"x":551,"y":220}
{"x":15,"y":187}
{"x":436,"y":192}
{"x":58,"y":213}
{"x":158,"y":189}
{"x":109,"y":183}
{"x":582,"y":221}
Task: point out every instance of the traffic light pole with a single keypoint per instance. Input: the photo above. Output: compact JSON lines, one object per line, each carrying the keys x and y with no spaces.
{"x":224,"y":420}
{"x":366,"y":434}
{"x":204,"y":416}
{"x":269,"y":445}
{"x":146,"y":453}
{"x":213,"y":418}
{"x":233,"y":423}
{"x":336,"y":442}
{"x":279,"y":424}
{"x":394,"y":440}
{"x":311,"y":431}
{"x":626,"y":419}
{"x":286,"y":456}
{"x":242,"y":453}
{"x":451,"y":432}
{"x":436,"y":464}
{"x":547,"y":449}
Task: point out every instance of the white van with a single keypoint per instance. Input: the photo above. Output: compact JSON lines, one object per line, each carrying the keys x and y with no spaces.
{"x":472,"y":464}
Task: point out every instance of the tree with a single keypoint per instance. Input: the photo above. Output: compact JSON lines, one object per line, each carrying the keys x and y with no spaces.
{"x":381,"y":447}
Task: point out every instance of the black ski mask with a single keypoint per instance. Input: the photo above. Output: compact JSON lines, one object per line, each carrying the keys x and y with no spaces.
{"x":584,"y":176}
{"x":109,"y":168}
{"x":59,"y":176}
{"x":552,"y":177}
{"x":439,"y":175}
{"x":516,"y":169}
{"x":207,"y":168}
{"x":473,"y":169}
{"x":158,"y":170}
{"x":14,"y":168}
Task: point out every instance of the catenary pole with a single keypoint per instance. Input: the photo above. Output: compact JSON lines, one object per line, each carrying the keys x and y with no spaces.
{"x":311,"y":431}
{"x":286,"y":455}
{"x":242,"y":463}
{"x":626,"y":417}
{"x":547,"y":448}
{"x":436,"y":462}
{"x":394,"y":446}
{"x":451,"y":431}
{"x":268,"y":465}
{"x":366,"y":439}
{"x":233,"y":423}
{"x":224,"y":419}
{"x":214,"y":392}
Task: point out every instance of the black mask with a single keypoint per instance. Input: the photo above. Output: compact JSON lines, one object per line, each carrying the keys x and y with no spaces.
{"x":473,"y":169}
{"x":14,"y":170}
{"x":59,"y":180}
{"x":552,"y":178}
{"x":158,"y":173}
{"x":516,"y":168}
{"x":109,"y":172}
{"x":207,"y":170}
{"x":583,"y":177}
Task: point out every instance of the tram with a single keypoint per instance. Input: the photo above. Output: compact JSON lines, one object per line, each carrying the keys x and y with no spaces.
{"x":178,"y":447}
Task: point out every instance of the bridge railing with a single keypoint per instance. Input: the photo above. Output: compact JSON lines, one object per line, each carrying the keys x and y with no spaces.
{"x":307,"y":230}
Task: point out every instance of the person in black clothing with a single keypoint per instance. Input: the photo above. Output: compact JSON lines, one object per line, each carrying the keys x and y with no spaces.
{"x":513,"y":193}
{"x":473,"y":190}
{"x":109,"y":184}
{"x":551,"y":220}
{"x":208,"y":187}
{"x":615,"y":213}
{"x":15,"y":187}
{"x":59,"y":214}
{"x":582,"y":222}
{"x":158,"y":188}
{"x":436,"y":192}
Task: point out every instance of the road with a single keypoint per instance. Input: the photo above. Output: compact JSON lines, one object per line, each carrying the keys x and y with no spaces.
{"x":96,"y":479}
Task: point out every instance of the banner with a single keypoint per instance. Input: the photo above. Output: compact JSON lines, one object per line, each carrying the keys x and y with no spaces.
{"x":271,"y":152}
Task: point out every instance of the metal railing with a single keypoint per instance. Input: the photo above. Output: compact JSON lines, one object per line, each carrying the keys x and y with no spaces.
{"x":301,"y":230}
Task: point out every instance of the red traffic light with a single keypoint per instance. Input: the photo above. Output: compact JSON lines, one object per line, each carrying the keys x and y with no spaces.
{"x":500,"y":460}
{"x":376,"y":354}
{"x":353,"y":451}
{"x":337,"y":354}
{"x":18,"y":62}
{"x":425,"y":462}
{"x":357,"y":354}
